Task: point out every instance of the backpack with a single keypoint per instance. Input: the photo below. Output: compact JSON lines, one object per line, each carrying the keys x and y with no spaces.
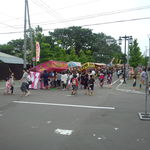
{"x":74,"y":82}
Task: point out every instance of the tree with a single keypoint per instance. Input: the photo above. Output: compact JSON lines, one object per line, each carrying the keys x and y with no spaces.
{"x":17,"y":47}
{"x":144,"y":61}
{"x":5,"y":48}
{"x":135,"y":54}
{"x":75,"y":37}
{"x":68,"y":44}
{"x":73,"y":56}
{"x":102,"y":52}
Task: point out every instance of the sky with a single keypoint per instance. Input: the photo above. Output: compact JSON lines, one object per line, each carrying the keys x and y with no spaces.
{"x":112,"y":17}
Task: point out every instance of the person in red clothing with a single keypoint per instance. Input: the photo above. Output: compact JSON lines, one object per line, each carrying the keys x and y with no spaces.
{"x":74,"y":85}
{"x":101,"y":79}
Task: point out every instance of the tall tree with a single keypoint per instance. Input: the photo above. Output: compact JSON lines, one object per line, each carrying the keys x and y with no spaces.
{"x":5,"y":48}
{"x":17,"y":47}
{"x":135,"y":54}
{"x":103,"y":52}
{"x":75,"y":37}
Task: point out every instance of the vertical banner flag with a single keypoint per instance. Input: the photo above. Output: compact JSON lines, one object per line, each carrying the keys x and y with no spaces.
{"x":37,"y":51}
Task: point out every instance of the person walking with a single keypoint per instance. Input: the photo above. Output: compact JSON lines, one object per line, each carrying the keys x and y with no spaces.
{"x":91,"y":85}
{"x":75,"y":84}
{"x":101,"y":79}
{"x":134,"y":82}
{"x":25,"y":83}
{"x":143,"y":77}
{"x":12,"y":83}
{"x":45,"y":78}
{"x":7,"y":86}
{"x":64,"y":78}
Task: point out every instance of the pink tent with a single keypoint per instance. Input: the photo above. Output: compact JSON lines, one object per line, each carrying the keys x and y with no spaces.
{"x":51,"y":66}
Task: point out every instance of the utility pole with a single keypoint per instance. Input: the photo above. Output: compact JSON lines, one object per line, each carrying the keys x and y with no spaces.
{"x":25,"y":36}
{"x":129,"y":38}
{"x":27,"y":18}
{"x":149,"y":53}
{"x":145,"y":115}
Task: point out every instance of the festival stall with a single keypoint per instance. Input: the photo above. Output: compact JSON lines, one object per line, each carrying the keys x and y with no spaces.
{"x":35,"y":72}
{"x":87,"y":66}
{"x":99,"y":66}
{"x":51,"y":65}
{"x":72,"y":64}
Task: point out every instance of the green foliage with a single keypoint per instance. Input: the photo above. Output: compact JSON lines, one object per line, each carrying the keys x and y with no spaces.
{"x":102,"y":52}
{"x":76,"y":38}
{"x":6,"y":49}
{"x":68,"y":44}
{"x":144,"y":61}
{"x":135,"y":54}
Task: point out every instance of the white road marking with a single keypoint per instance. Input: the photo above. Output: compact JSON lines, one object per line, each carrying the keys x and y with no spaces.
{"x":35,"y":127}
{"x":48,"y":122}
{"x":126,"y":90}
{"x":115,"y":81}
{"x":116,"y":129}
{"x":69,"y":95}
{"x":63,"y":132}
{"x":65,"y":105}
{"x":130,"y":91}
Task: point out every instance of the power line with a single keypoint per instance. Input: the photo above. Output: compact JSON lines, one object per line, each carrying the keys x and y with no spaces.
{"x":98,"y":15}
{"x":81,"y":17}
{"x":78,"y":4}
{"x":8,"y":25}
{"x":92,"y":16}
{"x":48,"y":9}
{"x":102,"y":23}
{"x":118,"y":21}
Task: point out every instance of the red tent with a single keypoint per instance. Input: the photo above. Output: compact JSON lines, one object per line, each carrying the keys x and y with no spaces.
{"x":51,"y":66}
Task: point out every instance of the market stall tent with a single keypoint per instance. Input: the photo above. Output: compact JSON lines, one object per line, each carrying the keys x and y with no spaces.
{"x":72,"y":64}
{"x":8,"y":64}
{"x":51,"y":65}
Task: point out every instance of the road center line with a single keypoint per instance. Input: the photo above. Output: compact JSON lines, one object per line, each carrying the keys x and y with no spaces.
{"x":65,"y":105}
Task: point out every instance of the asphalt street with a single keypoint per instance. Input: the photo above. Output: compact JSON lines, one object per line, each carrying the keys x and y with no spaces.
{"x":55,"y":120}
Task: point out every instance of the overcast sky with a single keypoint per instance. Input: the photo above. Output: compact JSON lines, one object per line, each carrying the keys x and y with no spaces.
{"x":112,"y":17}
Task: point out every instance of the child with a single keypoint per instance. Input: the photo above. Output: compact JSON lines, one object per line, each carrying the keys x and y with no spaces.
{"x":101,"y":79}
{"x":149,"y":87}
{"x":109,"y":79}
{"x":74,"y":85}
{"x":12,"y":83}
{"x":91,"y":85}
{"x":8,"y":86}
{"x":134,"y":81}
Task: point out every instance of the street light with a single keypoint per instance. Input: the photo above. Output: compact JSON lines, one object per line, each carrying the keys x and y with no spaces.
{"x":149,"y":52}
{"x":110,"y":41}
{"x":129,"y":38}
{"x":145,"y":115}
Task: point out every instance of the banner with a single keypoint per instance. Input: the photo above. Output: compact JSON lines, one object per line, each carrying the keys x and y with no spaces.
{"x":37,"y":51}
{"x":35,"y":78}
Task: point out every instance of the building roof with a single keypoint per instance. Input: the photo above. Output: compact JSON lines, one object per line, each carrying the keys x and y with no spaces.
{"x":9,"y":59}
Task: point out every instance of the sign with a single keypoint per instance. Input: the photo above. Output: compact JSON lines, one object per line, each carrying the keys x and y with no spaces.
{"x":37,"y":51}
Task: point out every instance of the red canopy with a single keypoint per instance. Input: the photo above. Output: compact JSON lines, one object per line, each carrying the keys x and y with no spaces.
{"x":51,"y":66}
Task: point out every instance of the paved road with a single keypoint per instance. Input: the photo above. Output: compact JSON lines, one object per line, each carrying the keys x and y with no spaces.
{"x":55,"y":120}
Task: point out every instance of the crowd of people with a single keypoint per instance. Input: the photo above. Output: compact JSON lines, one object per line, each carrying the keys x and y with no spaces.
{"x":72,"y":80}
{"x":76,"y":80}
